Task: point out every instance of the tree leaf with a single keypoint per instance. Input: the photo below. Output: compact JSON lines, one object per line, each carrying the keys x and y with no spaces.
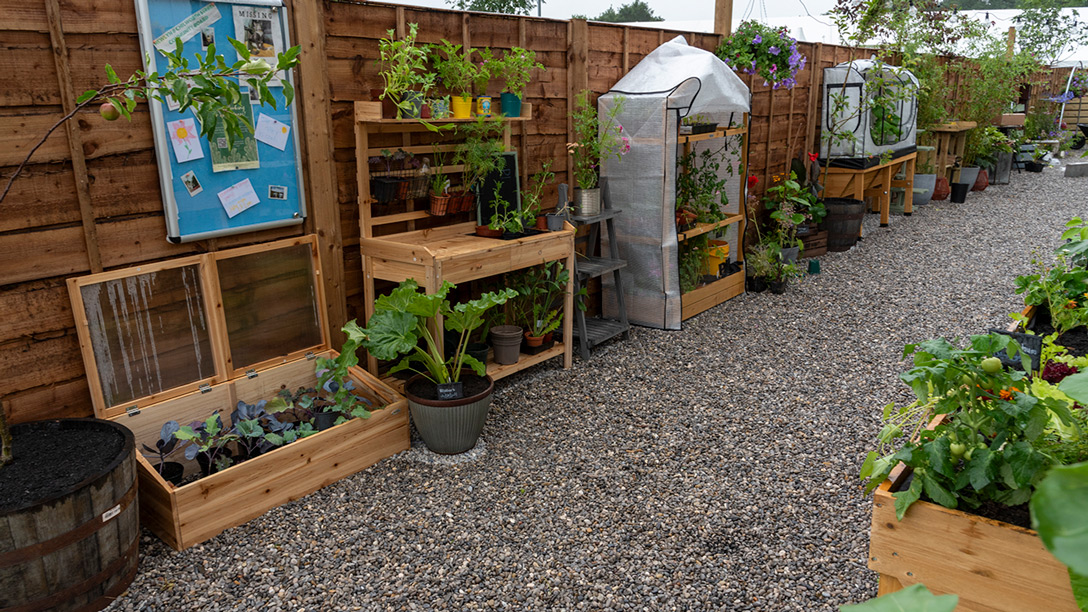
{"x":915,"y":598}
{"x":240,"y":48}
{"x":288,"y":93}
{"x":111,"y":75}
{"x":87,"y":95}
{"x":1058,"y":514}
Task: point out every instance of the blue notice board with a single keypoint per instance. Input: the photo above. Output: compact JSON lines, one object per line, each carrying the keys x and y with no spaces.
{"x":209,"y":190}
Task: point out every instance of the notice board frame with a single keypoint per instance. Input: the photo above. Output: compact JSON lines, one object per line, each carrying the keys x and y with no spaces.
{"x":202,"y":216}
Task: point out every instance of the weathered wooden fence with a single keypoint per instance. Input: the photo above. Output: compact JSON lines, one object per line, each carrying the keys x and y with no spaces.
{"x":90,"y":199}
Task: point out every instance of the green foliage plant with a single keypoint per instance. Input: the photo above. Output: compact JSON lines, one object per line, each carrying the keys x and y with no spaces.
{"x":510,"y":7}
{"x":989,"y":445}
{"x":1061,"y":286}
{"x":403,"y":68}
{"x":699,"y":187}
{"x":636,"y":10}
{"x":691,"y":258}
{"x":914,"y":598}
{"x":486,"y":68}
{"x":479,"y":151}
{"x":1043,"y":32}
{"x":507,"y":218}
{"x":454,"y":69}
{"x":210,"y":439}
{"x":209,"y":86}
{"x":533,"y":195}
{"x":538,"y":307}
{"x":790,"y":206}
{"x":515,"y":69}
{"x":333,"y":378}
{"x":404,"y":319}
{"x":595,"y":139}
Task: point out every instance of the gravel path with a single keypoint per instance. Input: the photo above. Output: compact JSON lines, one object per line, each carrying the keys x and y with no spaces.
{"x":709,"y":469}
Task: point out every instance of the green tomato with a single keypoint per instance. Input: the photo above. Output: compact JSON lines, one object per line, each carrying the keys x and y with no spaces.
{"x":967,"y":380}
{"x":967,"y":455}
{"x":991,"y":365}
{"x":957,"y":449}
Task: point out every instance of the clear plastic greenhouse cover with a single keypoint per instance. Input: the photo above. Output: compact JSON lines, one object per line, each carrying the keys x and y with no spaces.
{"x":672,"y":82}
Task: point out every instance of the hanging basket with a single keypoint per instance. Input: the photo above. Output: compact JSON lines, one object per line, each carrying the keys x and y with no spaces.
{"x":440,"y":205}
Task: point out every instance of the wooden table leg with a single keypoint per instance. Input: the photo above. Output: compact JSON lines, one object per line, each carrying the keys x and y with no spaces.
{"x":908,"y":174}
{"x":885,"y":178}
{"x":859,"y":194}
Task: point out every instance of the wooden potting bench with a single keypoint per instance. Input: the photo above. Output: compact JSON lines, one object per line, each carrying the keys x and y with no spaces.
{"x":949,"y":142}
{"x":450,"y":252}
{"x":875,"y":182}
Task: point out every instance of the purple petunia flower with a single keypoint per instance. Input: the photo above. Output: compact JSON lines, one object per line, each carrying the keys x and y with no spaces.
{"x":773,"y":50}
{"x":758,"y":39}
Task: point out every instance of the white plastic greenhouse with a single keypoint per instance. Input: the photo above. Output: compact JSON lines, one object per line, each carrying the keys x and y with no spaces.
{"x":873,"y":107}
{"x":674,"y":81}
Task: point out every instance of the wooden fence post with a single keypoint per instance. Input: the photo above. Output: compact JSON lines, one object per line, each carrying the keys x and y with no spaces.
{"x":75,"y":140}
{"x":316,"y":135}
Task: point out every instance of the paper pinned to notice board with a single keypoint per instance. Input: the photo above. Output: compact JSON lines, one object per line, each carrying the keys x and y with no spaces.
{"x":188,"y":28}
{"x":258,"y":27}
{"x":184,"y":138}
{"x":271,"y":132}
{"x":238,"y":197}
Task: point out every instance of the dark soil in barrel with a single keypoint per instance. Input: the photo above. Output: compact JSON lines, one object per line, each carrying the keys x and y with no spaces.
{"x":1076,"y":339}
{"x":51,"y":459}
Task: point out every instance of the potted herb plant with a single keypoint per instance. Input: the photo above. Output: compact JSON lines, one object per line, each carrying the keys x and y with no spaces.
{"x":595,"y":141}
{"x":404,"y":72}
{"x":697,"y":124}
{"x":438,"y":187}
{"x":790,"y":205}
{"x":532,"y":195}
{"x":457,"y":73}
{"x":514,"y":70}
{"x":448,"y":398}
{"x":511,"y":222}
{"x":538,"y":305}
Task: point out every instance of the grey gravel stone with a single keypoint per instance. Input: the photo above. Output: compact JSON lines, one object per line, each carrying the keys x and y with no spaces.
{"x":713,"y":468}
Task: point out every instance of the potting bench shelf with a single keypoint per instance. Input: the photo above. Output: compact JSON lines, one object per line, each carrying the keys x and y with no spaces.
{"x":949,"y":142}
{"x":875,"y":182}
{"x":703,"y":228}
{"x":718,"y":133}
{"x":497,"y":370}
{"x":710,"y":295}
{"x":450,"y":251}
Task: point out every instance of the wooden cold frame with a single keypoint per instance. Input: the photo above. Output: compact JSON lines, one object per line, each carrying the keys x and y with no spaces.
{"x":187,"y":515}
{"x":449,"y":252}
{"x":707,"y":296}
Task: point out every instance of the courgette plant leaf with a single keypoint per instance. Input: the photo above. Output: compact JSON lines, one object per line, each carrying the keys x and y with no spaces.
{"x":1076,"y":387}
{"x":1058,"y":514}
{"x":1080,"y":589}
{"x":915,"y":598}
{"x":903,"y":499}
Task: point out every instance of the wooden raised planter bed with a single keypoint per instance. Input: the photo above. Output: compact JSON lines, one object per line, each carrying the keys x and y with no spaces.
{"x":993,"y":566}
{"x":182,"y":339}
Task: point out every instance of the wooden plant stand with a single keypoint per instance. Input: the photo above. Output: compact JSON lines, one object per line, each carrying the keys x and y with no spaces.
{"x":450,"y":252}
{"x":949,"y":142}
{"x":707,"y":296}
{"x":875,"y":182}
{"x":993,"y":566}
{"x":216,"y":329}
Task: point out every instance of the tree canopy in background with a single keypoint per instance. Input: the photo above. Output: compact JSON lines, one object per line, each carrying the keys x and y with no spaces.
{"x":982,"y":5}
{"x":510,"y":7}
{"x":637,"y":10}
{"x":1042,"y":30}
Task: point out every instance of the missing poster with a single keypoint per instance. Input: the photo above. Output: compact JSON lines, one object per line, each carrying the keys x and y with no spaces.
{"x":259,"y":29}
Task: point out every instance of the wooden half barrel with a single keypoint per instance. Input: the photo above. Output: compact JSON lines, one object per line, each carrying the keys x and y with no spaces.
{"x":74,"y":550}
{"x":843,"y":222}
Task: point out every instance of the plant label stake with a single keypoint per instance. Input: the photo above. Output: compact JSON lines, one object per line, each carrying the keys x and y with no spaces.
{"x":450,"y":391}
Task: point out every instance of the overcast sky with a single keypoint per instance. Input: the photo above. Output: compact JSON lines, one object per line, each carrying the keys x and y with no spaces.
{"x":674,"y":10}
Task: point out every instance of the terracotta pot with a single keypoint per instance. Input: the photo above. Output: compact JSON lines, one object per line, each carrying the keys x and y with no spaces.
{"x":486,"y":232}
{"x":533,"y":340}
{"x":982,"y":181}
{"x":542,"y":222}
{"x":941,"y":189}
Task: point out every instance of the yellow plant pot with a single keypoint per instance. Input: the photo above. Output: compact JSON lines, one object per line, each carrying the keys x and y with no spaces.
{"x":461,"y":106}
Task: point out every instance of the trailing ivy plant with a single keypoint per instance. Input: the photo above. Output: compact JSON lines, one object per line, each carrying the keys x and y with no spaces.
{"x":209,"y":86}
